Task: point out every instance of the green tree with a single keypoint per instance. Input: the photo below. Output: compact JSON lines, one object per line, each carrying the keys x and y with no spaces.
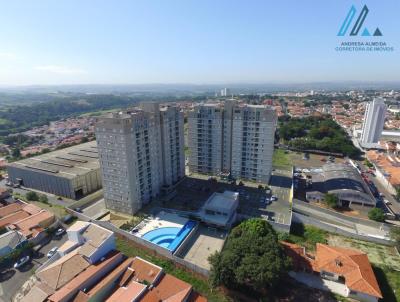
{"x":376,"y":214}
{"x":43,"y":198}
{"x":32,"y":196}
{"x":16,"y":153}
{"x":252,"y":258}
{"x":331,"y":200}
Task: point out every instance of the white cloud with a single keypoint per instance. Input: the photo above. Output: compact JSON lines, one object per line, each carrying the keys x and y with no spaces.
{"x":7,"y":55}
{"x":61,"y":69}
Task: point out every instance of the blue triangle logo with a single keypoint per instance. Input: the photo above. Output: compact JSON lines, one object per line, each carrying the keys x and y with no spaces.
{"x":377,"y":32}
{"x":365,"y":32}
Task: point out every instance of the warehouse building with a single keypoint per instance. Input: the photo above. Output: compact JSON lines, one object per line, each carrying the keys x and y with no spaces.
{"x":71,"y":172}
{"x":343,"y":181}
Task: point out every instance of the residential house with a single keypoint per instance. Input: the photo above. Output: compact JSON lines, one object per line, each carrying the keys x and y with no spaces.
{"x":10,"y":241}
{"x":348,"y":270}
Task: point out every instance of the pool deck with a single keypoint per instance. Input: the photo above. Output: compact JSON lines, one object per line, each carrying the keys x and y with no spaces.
{"x":161,"y":220}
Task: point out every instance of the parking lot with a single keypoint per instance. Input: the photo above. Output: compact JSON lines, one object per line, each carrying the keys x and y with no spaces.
{"x":11,"y":279}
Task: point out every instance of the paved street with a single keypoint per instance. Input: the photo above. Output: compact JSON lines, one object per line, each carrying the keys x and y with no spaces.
{"x":395,"y":205}
{"x":12,"y":279}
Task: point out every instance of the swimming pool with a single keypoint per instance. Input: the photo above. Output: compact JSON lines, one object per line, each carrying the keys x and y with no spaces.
{"x":169,"y":237}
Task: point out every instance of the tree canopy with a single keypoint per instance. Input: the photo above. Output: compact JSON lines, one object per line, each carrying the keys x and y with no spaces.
{"x":252,"y":257}
{"x":317,"y":133}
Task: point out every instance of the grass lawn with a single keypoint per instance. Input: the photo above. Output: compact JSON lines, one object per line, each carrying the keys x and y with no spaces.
{"x":200,"y":285}
{"x":57,"y":210}
{"x":384,"y":259}
{"x":281,"y":160}
{"x":307,"y":236}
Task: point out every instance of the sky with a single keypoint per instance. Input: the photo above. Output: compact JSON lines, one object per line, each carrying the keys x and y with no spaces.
{"x":195,"y":42}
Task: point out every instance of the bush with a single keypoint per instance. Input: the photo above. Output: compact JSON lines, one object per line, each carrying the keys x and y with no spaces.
{"x":331,"y":200}
{"x":32,"y":196}
{"x":377,"y":215}
{"x":43,"y":198}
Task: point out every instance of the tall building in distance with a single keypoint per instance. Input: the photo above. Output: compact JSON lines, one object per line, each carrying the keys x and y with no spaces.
{"x":374,"y":120}
{"x":140,"y":151}
{"x":232,"y":138}
{"x":225,"y":92}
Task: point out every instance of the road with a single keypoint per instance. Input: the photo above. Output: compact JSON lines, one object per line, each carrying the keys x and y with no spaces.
{"x":395,"y":205}
{"x":11,"y":280}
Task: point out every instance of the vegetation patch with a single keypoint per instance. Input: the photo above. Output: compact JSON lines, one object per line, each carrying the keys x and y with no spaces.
{"x":252,"y":259}
{"x":281,"y":160}
{"x":317,"y":133}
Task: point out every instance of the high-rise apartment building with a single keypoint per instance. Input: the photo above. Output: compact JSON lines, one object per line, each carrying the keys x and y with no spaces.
{"x":140,"y":151}
{"x":225,"y":92}
{"x":374,"y":120}
{"x":233,"y":138}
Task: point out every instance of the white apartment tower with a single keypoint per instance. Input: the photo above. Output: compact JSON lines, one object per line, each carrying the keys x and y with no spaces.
{"x":140,"y":151}
{"x":232,"y":138}
{"x":374,"y":120}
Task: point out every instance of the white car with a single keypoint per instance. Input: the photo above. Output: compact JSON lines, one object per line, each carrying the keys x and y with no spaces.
{"x":59,"y":232}
{"x":52,"y":252}
{"x":387,"y":202}
{"x":21,"y":261}
{"x":274,"y":198}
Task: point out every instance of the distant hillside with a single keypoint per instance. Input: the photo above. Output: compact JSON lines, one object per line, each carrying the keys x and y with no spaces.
{"x":14,"y":119}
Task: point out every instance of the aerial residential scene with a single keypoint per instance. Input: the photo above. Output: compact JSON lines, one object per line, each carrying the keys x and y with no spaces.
{"x":191,"y":151}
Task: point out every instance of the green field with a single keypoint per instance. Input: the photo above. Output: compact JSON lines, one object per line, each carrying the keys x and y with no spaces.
{"x":281,"y":160}
{"x":99,"y":112}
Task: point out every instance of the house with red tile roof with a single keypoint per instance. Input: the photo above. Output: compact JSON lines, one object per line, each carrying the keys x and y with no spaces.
{"x":348,"y":267}
{"x":27,"y":219}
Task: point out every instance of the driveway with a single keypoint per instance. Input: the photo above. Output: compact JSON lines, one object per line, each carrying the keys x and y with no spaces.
{"x":11,"y":280}
{"x":317,"y":282}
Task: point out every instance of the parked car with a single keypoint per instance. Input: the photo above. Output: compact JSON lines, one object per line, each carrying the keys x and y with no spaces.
{"x":59,"y":232}
{"x":387,"y":202}
{"x":79,"y":210}
{"x":274,"y":198}
{"x":52,"y":252}
{"x":22,"y":261}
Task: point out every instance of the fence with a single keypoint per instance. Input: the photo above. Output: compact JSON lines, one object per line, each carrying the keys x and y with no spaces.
{"x":144,"y":243}
{"x":300,"y":218}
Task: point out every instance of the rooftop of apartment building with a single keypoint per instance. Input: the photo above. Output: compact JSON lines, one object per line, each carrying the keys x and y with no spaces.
{"x":68,"y":163}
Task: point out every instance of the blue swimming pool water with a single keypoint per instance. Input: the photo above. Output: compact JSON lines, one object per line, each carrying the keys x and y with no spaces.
{"x":169,"y":237}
